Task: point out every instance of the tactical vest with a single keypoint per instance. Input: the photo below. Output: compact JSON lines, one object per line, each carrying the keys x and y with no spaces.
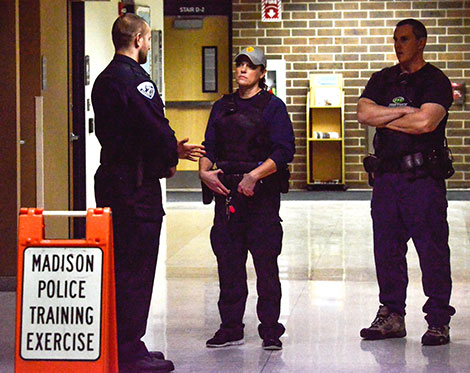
{"x":242,"y":134}
{"x":406,"y":90}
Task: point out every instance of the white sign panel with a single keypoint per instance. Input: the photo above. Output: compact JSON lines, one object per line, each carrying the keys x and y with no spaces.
{"x":61,"y":305}
{"x":276,"y":78}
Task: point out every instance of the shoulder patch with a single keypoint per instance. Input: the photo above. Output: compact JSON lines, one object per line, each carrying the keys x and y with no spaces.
{"x":147,"y":89}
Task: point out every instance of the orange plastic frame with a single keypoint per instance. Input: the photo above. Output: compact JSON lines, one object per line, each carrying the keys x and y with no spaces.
{"x":99,"y":233}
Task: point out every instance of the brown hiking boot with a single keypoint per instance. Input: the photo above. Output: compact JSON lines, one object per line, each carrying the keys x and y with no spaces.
{"x":386,"y":325}
{"x":436,"y":335}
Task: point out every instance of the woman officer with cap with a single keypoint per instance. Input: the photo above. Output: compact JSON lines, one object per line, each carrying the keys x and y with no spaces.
{"x":249,"y":137}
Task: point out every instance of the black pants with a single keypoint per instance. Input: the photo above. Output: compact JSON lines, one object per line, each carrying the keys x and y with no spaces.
{"x":255,"y":227}
{"x":137,"y":218}
{"x":416,"y":209}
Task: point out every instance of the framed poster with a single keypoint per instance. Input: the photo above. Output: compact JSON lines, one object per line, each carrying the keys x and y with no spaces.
{"x":209,"y":69}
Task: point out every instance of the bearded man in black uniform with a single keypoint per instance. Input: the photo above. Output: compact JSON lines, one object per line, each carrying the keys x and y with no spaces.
{"x":138,"y":148}
{"x":408,"y":104}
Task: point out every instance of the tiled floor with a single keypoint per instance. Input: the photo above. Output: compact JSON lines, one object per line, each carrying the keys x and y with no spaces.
{"x":329,"y":294}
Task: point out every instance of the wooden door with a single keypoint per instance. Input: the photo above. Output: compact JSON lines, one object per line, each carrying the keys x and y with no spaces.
{"x":188,"y":105}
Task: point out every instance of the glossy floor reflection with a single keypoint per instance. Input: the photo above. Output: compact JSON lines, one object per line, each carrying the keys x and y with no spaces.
{"x":329,"y":294}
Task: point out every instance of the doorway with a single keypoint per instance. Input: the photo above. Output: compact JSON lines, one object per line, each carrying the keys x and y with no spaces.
{"x":197,"y":73}
{"x":77,"y":136}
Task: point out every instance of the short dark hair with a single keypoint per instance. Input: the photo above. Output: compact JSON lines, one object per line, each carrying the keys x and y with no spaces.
{"x":125,"y":29}
{"x":419,"y":30}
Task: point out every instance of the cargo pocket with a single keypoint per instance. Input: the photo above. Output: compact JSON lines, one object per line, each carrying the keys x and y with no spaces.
{"x":265,"y":237}
{"x":147,"y":202}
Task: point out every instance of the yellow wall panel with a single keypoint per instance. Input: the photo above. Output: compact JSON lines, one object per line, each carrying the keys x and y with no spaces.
{"x":183,"y":77}
{"x":188,"y":123}
{"x":183,"y":59}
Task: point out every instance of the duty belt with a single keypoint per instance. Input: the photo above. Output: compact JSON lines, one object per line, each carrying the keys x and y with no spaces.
{"x":406,"y":163}
{"x":437,"y":163}
{"x":230,"y":180}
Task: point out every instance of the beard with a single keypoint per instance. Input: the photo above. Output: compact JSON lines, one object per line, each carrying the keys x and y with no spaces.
{"x":142,"y":57}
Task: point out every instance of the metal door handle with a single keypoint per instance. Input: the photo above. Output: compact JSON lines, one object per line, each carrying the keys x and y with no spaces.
{"x":74,"y":137}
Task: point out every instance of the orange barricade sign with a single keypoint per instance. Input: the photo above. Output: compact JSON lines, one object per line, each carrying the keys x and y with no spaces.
{"x":65,"y":305}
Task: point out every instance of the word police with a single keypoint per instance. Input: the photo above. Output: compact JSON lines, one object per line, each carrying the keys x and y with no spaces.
{"x":62,"y":288}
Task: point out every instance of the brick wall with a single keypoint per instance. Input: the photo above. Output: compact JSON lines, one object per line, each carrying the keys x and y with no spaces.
{"x":354,"y":37}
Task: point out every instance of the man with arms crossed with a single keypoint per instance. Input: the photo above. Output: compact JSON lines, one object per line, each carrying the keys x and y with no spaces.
{"x":408,"y":104}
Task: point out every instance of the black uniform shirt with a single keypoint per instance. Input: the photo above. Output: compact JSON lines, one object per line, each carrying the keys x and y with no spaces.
{"x":389,"y":87}
{"x":130,"y":122}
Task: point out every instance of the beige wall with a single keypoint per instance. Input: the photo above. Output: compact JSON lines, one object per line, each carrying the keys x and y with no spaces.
{"x":99,"y":18}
